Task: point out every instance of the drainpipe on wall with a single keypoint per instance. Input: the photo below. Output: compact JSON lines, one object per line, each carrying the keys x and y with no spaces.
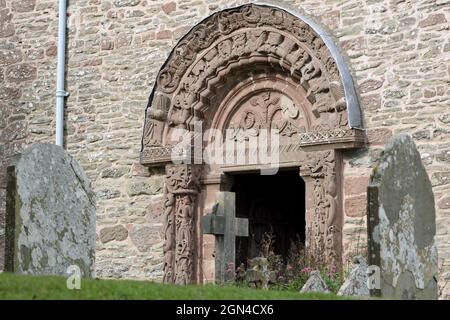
{"x":60,"y":73}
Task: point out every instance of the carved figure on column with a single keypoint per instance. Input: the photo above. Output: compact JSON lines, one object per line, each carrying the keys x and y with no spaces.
{"x":182,"y":186}
{"x":331,"y":205}
{"x":169,"y":237}
{"x":325,"y":207}
{"x":185,"y":239}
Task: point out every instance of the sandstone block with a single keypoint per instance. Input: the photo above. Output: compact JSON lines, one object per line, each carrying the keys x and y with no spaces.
{"x":144,"y":236}
{"x":117,"y":233}
{"x":21,"y":73}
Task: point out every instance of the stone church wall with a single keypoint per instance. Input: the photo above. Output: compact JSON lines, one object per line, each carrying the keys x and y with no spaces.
{"x":398,"y":51}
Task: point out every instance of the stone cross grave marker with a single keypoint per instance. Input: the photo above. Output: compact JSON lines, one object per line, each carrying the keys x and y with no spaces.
{"x":50,"y":214}
{"x":222,"y":223}
{"x":402,"y":224}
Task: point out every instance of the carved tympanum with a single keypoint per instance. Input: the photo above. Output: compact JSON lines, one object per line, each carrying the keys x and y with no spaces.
{"x":267,"y":110}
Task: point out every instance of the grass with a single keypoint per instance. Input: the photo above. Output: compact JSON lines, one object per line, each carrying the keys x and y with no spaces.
{"x":15,"y":287}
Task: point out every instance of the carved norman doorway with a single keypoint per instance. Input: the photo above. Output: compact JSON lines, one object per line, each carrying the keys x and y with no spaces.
{"x":239,"y":73}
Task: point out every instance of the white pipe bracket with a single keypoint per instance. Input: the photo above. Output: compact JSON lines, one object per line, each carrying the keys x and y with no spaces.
{"x":62,"y":93}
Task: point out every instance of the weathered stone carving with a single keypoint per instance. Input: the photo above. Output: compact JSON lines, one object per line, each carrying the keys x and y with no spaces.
{"x":268,"y":110}
{"x":169,"y":237}
{"x":184,"y":239}
{"x":323,"y":231}
{"x":182,"y":186}
{"x":330,"y":135}
{"x":330,"y":204}
{"x":241,"y":38}
{"x":154,"y":124}
{"x":157,"y":155}
{"x":262,"y":46}
{"x":229,"y":21}
{"x":242,"y":71}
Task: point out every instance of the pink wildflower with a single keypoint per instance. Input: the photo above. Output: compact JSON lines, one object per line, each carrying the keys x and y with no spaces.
{"x":230,"y":267}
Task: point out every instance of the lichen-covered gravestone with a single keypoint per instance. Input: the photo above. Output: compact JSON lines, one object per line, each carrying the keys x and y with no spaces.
{"x":356,"y":282}
{"x":401,"y":224}
{"x":315,"y":283}
{"x":50,"y":222}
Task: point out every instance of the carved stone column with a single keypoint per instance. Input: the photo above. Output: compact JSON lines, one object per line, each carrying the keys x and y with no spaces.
{"x":181,"y":189}
{"x":169,"y":236}
{"x":324,"y":213}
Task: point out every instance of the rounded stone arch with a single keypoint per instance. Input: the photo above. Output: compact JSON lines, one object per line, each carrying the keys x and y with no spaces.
{"x":248,"y":68}
{"x":234,"y":45}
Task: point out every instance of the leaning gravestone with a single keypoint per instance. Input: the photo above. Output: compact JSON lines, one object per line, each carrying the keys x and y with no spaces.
{"x":315,"y":283}
{"x":356,"y":282}
{"x":401,"y":224}
{"x":50,"y":220}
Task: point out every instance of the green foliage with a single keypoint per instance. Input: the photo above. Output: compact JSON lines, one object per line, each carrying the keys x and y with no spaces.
{"x":17,"y":287}
{"x":334,"y":279}
{"x":292,"y":274}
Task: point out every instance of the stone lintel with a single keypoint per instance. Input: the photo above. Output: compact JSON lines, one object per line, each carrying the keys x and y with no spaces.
{"x":309,"y":141}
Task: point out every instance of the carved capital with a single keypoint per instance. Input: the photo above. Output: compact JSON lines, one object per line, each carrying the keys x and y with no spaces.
{"x":318,"y":164}
{"x":183,"y":178}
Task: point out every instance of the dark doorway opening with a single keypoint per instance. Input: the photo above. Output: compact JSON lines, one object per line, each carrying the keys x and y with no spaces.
{"x":273,"y":204}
